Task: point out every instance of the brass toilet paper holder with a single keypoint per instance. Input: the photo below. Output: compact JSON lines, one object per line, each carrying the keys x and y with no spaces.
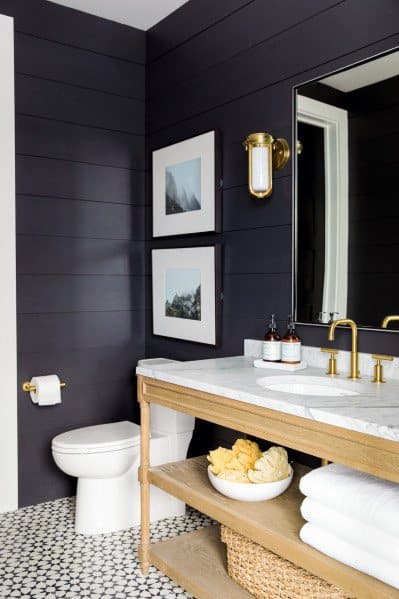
{"x":26,"y":386}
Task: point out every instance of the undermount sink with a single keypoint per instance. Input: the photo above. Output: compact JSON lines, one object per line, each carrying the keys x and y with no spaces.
{"x":309,"y":385}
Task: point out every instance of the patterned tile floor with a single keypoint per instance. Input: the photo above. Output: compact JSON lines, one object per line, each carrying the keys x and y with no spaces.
{"x":42,"y":557}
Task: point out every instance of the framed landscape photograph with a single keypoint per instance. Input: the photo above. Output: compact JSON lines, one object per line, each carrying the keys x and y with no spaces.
{"x":186,"y":186}
{"x":186,"y":293}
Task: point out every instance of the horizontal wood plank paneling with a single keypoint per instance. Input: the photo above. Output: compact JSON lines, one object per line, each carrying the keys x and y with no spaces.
{"x":236,"y":73}
{"x":78,"y":181}
{"x":192,"y":19}
{"x":78,"y":293}
{"x":80,"y":102}
{"x":76,"y":255}
{"x":39,"y":136}
{"x":74,"y":28}
{"x":257,"y":66}
{"x":70,"y":330}
{"x":57,"y":62}
{"x":64,"y":102}
{"x":244,"y":28}
{"x":65,"y":218}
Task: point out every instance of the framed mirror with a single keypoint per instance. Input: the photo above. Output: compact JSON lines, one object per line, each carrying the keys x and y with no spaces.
{"x":346,"y":233}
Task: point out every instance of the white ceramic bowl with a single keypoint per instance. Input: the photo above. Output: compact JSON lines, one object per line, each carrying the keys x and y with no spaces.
{"x":251,"y":491}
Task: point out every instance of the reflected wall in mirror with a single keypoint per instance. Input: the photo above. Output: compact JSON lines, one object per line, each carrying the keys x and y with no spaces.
{"x":347,"y":180}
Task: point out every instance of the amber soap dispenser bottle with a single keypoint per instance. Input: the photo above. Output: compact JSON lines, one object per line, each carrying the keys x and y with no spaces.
{"x":272,"y":343}
{"x":291,"y":345}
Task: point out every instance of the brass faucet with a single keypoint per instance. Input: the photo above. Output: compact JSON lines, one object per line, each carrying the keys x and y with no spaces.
{"x":388,"y":319}
{"x":354,"y":353}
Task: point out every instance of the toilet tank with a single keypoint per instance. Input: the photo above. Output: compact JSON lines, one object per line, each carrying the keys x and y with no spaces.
{"x":165,"y":420}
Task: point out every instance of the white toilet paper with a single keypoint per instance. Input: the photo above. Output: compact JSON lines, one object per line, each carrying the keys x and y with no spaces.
{"x":48,"y":390}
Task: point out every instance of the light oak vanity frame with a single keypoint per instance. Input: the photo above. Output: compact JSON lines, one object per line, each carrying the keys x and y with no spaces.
{"x":196,"y":560}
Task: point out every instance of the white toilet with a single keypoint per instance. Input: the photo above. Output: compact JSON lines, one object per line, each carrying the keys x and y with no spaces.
{"x":105,"y":460}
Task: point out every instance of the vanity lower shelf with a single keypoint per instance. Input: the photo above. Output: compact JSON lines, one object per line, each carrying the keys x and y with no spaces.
{"x":273,"y":524}
{"x":197,"y":562}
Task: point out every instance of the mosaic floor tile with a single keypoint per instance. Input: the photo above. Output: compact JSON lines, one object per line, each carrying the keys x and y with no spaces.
{"x":42,"y":557}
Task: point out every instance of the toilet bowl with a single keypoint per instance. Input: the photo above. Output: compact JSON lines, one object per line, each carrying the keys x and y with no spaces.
{"x":105,"y":460}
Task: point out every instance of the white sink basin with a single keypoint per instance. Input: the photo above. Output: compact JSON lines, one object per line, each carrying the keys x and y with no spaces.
{"x":309,"y":385}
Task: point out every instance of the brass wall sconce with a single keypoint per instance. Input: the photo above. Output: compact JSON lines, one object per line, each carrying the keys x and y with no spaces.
{"x":265,"y":154}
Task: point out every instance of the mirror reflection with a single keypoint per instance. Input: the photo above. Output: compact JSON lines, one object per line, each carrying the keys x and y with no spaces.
{"x":347,"y":211}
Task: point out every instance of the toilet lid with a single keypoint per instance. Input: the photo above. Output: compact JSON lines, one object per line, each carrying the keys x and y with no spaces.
{"x":100,"y":438}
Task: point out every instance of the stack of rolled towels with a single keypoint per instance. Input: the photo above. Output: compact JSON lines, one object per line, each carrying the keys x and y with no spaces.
{"x":354,"y":518}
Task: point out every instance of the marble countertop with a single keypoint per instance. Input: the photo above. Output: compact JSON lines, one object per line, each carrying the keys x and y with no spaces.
{"x":375,"y":411}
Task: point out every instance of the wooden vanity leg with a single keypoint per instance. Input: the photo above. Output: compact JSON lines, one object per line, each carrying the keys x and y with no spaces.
{"x":144,"y":549}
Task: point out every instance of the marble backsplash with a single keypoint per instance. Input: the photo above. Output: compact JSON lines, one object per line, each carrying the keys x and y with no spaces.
{"x":315,"y":358}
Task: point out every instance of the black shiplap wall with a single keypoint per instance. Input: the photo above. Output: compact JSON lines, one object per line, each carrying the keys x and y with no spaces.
{"x":80,"y":105}
{"x":232,"y":65}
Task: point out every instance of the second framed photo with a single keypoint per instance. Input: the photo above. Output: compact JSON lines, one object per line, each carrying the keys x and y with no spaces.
{"x":186,"y":293}
{"x":186,"y":186}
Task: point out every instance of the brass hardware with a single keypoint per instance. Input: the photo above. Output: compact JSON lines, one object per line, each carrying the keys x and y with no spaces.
{"x":277,"y":157}
{"x":354,"y":353}
{"x":332,"y":362}
{"x":388,"y":319}
{"x":299,"y":147}
{"x":378,"y":370}
{"x":32,"y":389}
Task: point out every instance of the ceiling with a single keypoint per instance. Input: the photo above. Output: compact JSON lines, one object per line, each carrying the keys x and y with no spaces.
{"x":368,"y":73}
{"x":142,"y":14}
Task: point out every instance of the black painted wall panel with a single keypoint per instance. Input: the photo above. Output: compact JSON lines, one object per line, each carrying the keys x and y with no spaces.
{"x":78,"y":180}
{"x":80,"y":170}
{"x":241,"y":81}
{"x":257,"y":66}
{"x":65,"y":102}
{"x":57,"y":62}
{"x":71,"y":27}
{"x":41,"y":254}
{"x":192,"y":20}
{"x":37,"y":215}
{"x":37,"y":136}
{"x":243,"y":29}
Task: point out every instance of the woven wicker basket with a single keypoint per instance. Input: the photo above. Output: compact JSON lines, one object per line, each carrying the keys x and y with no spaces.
{"x":268,"y":576}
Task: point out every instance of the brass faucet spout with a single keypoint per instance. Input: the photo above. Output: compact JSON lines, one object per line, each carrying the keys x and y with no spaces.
{"x":354,"y":353}
{"x":388,"y":319}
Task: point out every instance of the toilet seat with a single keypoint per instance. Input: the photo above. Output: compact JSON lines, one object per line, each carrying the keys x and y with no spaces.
{"x":98,"y":439}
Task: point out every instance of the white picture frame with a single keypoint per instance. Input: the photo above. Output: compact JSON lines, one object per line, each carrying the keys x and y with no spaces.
{"x":186,"y":293}
{"x":186,"y":187}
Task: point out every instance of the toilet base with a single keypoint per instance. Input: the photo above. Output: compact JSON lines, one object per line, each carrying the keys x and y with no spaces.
{"x":105,"y":505}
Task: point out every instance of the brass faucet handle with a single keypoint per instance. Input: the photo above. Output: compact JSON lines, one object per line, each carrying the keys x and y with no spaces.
{"x":332,"y":362}
{"x":378,"y":370}
{"x":382,"y":357}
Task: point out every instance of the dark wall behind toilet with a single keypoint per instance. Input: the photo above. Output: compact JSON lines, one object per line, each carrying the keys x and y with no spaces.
{"x":80,"y":85}
{"x":232,"y":65}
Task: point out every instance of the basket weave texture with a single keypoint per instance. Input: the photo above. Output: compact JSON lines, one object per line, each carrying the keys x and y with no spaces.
{"x":268,"y":576}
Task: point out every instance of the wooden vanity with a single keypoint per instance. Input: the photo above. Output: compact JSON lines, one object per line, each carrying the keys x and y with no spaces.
{"x":196,"y":560}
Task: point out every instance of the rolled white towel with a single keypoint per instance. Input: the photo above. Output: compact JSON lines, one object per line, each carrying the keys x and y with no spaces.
{"x":366,"y":497}
{"x":350,"y":529}
{"x":349,"y":554}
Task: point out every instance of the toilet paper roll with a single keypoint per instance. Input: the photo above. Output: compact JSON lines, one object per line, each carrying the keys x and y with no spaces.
{"x":48,"y":390}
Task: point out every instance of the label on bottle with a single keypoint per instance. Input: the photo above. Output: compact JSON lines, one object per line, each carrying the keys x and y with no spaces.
{"x":291,"y":351}
{"x":272,"y":351}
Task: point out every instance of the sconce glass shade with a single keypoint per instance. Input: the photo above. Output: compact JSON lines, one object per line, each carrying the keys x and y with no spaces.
{"x":265,"y":154}
{"x":260,"y":148}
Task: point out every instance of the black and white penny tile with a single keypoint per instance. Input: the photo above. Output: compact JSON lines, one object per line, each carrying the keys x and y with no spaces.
{"x":42,"y":557}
